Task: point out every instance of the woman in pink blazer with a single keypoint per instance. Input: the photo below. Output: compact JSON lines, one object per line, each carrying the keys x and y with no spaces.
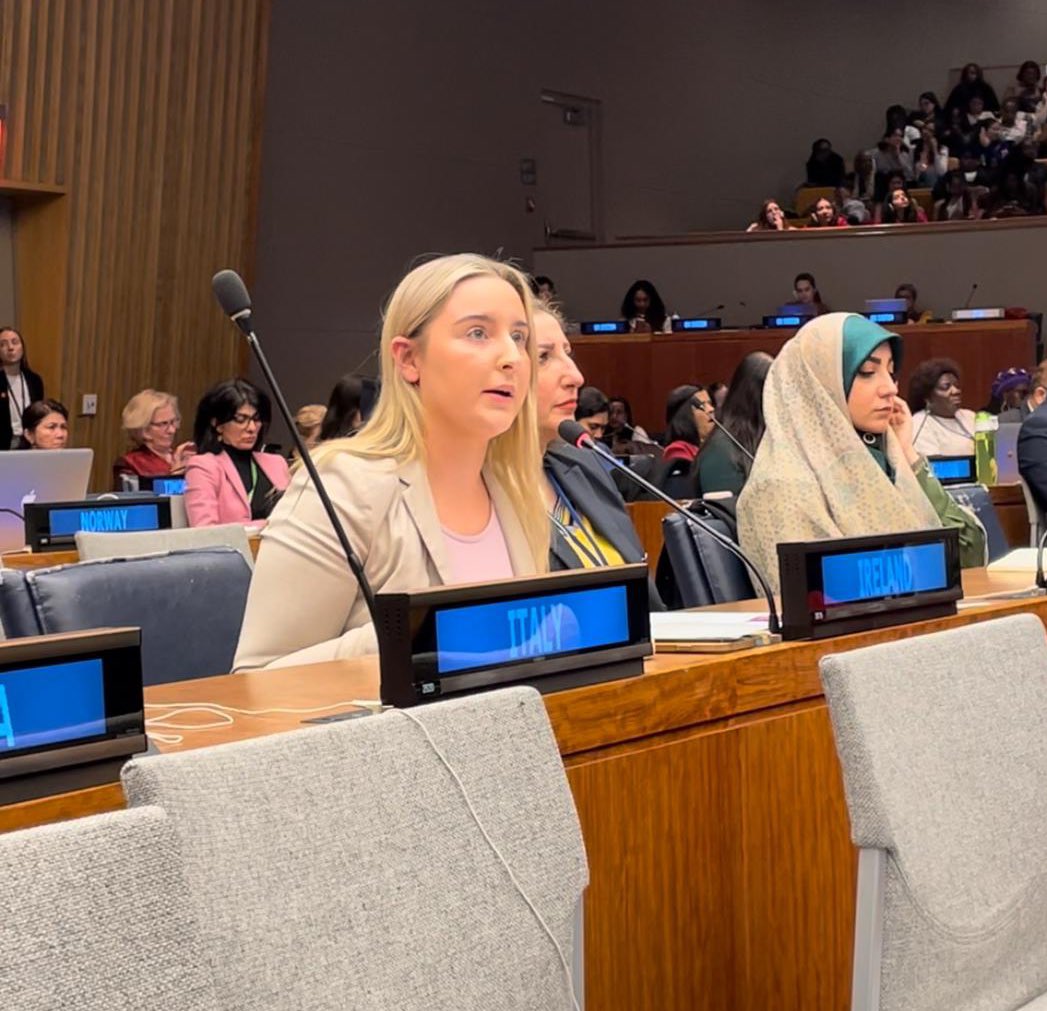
{"x":230,"y":480}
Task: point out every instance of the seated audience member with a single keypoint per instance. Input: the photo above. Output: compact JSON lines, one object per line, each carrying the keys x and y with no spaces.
{"x":1015,"y":125}
{"x":1010,"y":198}
{"x":1016,"y":394}
{"x":590,"y":525}
{"x":770,"y":219}
{"x":941,"y":427}
{"x":1026,"y":91}
{"x":45,"y":425}
{"x":688,"y":412}
{"x":593,"y":411}
{"x":976,"y":175}
{"x":852,"y":210}
{"x":899,"y":209}
{"x":959,"y":134}
{"x":825,"y":167}
{"x":544,"y":289}
{"x":644,"y":309}
{"x":893,"y":155}
{"x":21,"y":387}
{"x":622,"y":433}
{"x":308,"y":420}
{"x":977,"y":114}
{"x":929,"y":112}
{"x":863,"y":178}
{"x":722,"y":466}
{"x":151,"y":419}
{"x":825,"y":215}
{"x":972,"y":84}
{"x":837,"y":457}
{"x":230,"y":479}
{"x":805,"y":292}
{"x":931,"y":159}
{"x":912,"y":312}
{"x":443,"y":484}
{"x":957,"y":204}
{"x":343,"y":416}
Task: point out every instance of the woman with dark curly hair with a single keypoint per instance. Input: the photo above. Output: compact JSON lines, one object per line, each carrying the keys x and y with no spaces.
{"x":941,"y":427}
{"x":644,"y":309}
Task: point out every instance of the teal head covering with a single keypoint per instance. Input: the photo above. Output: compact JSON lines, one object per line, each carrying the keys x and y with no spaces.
{"x":861,"y":337}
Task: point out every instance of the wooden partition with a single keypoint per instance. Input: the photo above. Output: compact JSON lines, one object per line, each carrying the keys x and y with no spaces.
{"x":133,"y":160}
{"x":645,"y":367}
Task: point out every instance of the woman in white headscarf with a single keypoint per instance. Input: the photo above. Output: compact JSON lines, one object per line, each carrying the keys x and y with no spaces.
{"x":836,"y":458}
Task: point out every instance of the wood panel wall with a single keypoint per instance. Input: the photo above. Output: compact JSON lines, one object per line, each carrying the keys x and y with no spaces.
{"x":134,"y":130}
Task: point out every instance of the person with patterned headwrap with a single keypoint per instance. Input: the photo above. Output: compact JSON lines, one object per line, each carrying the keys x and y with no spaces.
{"x":1018,"y":393}
{"x":836,"y":458}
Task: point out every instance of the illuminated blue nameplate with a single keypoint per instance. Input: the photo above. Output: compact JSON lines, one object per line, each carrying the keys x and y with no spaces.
{"x":487,"y":634}
{"x":850,"y":584}
{"x":952,"y":469}
{"x":605,"y":326}
{"x":169,"y":485}
{"x":697,"y":323}
{"x":889,"y":572}
{"x":107,"y":520}
{"x":886,"y":317}
{"x":557,"y":631}
{"x":51,"y":704}
{"x":781,"y":322}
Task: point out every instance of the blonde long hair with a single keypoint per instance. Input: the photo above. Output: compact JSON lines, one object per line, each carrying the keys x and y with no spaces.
{"x":396,"y":428}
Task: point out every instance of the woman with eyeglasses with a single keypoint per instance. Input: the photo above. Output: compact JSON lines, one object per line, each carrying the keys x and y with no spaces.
{"x":151,"y":419}
{"x":230,"y":479}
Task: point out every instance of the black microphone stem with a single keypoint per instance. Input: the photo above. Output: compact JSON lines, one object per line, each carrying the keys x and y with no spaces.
{"x":721,"y":427}
{"x":307,"y":461}
{"x":773,"y":624}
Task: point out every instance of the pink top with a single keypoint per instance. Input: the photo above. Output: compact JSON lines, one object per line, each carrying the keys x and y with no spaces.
{"x":481,"y":558}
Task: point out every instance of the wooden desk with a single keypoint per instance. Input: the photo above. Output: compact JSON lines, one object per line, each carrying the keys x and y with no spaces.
{"x":643,"y":368}
{"x":45,"y":559}
{"x":711,"y":803}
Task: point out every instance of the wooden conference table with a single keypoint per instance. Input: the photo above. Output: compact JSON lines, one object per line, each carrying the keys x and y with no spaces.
{"x":710,"y":799}
{"x":643,"y":368}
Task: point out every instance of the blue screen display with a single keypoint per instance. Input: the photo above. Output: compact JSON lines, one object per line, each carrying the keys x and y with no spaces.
{"x":484,"y":634}
{"x":169,"y":485}
{"x":787,"y":321}
{"x":885,"y":572}
{"x":961,"y":467}
{"x":107,"y":520}
{"x":605,"y":327}
{"x":881,"y":317}
{"x":50,"y":704}
{"x":695,"y":324}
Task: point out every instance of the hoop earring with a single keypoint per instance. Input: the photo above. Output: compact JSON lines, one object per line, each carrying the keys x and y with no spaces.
{"x":868,"y":438}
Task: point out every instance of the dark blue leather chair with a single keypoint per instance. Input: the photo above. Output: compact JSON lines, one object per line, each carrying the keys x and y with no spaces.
{"x":188,"y":604}
{"x":17,"y":614}
{"x":976,"y":498}
{"x":706,"y":573}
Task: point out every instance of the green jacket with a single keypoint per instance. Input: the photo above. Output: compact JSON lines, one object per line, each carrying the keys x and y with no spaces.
{"x":972,"y":535}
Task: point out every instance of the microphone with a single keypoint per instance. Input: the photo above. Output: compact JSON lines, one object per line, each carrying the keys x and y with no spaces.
{"x":710,"y":311}
{"x":970,"y":295}
{"x":232,"y":296}
{"x":575,"y":435}
{"x":711,"y":415}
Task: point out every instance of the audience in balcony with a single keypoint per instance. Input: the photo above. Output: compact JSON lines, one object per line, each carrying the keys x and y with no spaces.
{"x":1027,"y":89}
{"x":900,"y":209}
{"x":825,"y":167}
{"x":825,"y":214}
{"x":770,"y":219}
{"x":972,"y":84}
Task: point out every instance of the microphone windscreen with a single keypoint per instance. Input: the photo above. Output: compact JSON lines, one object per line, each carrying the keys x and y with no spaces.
{"x":573,"y":433}
{"x":231,"y":292}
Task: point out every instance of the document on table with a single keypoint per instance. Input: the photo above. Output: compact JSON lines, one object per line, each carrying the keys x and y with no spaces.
{"x":706,"y":626}
{"x":1018,"y":560}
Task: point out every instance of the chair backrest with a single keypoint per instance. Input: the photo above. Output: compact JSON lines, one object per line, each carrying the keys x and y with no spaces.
{"x":93,"y":546}
{"x":677,"y":478}
{"x":97,"y":918}
{"x":706,"y":573}
{"x":17,"y":614}
{"x":1036,"y":520}
{"x":340,"y":866}
{"x":975,"y":497}
{"x":941,"y":739}
{"x":188,"y":604}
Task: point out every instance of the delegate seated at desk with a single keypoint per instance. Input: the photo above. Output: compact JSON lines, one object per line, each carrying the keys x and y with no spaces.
{"x":836,"y":458}
{"x":443,"y":484}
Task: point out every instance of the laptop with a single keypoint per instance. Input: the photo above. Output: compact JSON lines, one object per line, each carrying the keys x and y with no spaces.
{"x":53,"y":475}
{"x":1007,"y":452}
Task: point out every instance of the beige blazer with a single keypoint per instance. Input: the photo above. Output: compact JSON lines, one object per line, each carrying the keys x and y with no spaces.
{"x":304,"y":605}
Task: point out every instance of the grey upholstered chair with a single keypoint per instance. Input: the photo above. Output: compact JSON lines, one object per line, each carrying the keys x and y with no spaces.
{"x":944,"y":753}
{"x":339,"y":866}
{"x":188,"y":604}
{"x":93,"y":546}
{"x":97,"y":918}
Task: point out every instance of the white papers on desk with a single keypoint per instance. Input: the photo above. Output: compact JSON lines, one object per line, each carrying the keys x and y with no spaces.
{"x":705,"y":626}
{"x":1019,"y":560}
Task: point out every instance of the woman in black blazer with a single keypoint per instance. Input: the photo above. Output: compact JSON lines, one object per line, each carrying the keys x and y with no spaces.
{"x":590,"y":525}
{"x":21,"y":386}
